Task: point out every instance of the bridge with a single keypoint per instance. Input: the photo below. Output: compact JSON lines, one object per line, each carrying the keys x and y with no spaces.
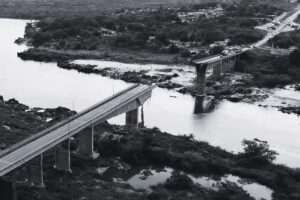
{"x":215,"y":66}
{"x":30,"y":151}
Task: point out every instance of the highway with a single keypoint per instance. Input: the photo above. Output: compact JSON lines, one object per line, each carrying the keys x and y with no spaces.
{"x":97,"y":113}
{"x":279,"y":29}
{"x":258,"y":44}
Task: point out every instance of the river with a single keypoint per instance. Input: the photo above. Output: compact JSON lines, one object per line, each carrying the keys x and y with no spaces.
{"x":45,"y":85}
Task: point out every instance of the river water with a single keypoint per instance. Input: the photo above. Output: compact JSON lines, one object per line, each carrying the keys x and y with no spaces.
{"x":45,"y":85}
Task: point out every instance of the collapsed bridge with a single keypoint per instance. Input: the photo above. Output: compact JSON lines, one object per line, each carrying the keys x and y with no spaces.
{"x":127,"y":101}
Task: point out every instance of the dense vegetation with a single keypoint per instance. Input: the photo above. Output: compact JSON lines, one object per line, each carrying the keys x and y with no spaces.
{"x":270,"y":70}
{"x":286,"y":39}
{"x":184,"y":153}
{"x":157,"y":30}
{"x":120,"y":146}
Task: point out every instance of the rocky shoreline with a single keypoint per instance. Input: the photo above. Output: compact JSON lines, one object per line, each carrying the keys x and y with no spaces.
{"x":233,"y":86}
{"x":290,"y":110}
{"x":131,"y":148}
{"x":43,"y":54}
{"x":223,"y":88}
{"x":162,"y":80}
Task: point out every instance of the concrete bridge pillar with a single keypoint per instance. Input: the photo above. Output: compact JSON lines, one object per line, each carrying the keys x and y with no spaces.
{"x":217,"y":70}
{"x":225,"y":65}
{"x":199,"y":104}
{"x":35,"y":172}
{"x":8,"y":190}
{"x":201,"y":76}
{"x":142,"y":117}
{"x":132,"y":118}
{"x":86,"y":143}
{"x":228,"y":65}
{"x":235,"y":59}
{"x":232,"y":61}
{"x":62,"y":157}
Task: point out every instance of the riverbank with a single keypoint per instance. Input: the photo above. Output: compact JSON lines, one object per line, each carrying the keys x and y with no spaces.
{"x":124,"y":148}
{"x":257,"y":69}
{"x":43,"y":54}
{"x":18,"y":121}
{"x":232,"y":86}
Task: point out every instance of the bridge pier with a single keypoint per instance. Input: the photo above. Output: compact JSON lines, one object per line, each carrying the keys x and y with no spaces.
{"x":132,"y":118}
{"x":201,"y":76}
{"x":199,"y":104}
{"x":63,"y":157}
{"x":86,"y":143}
{"x":217,"y":70}
{"x":231,"y":63}
{"x":8,"y":189}
{"x":225,"y":66}
{"x":142,"y":117}
{"x":235,"y":59}
{"x":35,"y":172}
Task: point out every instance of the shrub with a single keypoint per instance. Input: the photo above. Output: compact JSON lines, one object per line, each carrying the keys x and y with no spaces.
{"x":162,"y":38}
{"x":258,"y":152}
{"x":294,"y":57}
{"x":240,"y":66}
{"x":272,"y":80}
{"x":281,"y":64}
{"x":173,"y":49}
{"x":186,"y":54}
{"x":179,"y":181}
{"x":216,"y":50}
{"x":160,"y":194}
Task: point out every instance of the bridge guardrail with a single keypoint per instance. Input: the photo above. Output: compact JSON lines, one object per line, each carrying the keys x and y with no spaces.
{"x":59,"y":124}
{"x":50,"y":144}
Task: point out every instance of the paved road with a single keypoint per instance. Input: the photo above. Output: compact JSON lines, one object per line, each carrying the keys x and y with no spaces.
{"x":26,"y":152}
{"x":269,"y":35}
{"x":279,"y":29}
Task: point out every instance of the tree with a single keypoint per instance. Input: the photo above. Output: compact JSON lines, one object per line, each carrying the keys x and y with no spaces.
{"x":59,"y":34}
{"x":179,"y":181}
{"x":41,"y":38}
{"x":162,"y":37}
{"x":281,"y":64}
{"x":240,"y":66}
{"x":212,"y":36}
{"x":258,"y":151}
{"x":294,"y":57}
{"x":216,"y":50}
{"x":173,"y":49}
{"x":186,"y":53}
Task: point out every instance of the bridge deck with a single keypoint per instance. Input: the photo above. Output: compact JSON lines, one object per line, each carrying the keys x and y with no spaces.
{"x":25,"y":152}
{"x":217,"y":58}
{"x":208,"y":59}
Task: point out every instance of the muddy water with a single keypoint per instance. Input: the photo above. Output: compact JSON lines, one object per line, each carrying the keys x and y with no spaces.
{"x":45,"y":85}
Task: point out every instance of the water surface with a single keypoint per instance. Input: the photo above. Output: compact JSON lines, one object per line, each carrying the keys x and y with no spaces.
{"x":146,"y":178}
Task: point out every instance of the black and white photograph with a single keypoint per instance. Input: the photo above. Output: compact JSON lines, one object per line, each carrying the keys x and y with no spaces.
{"x":149,"y":99}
